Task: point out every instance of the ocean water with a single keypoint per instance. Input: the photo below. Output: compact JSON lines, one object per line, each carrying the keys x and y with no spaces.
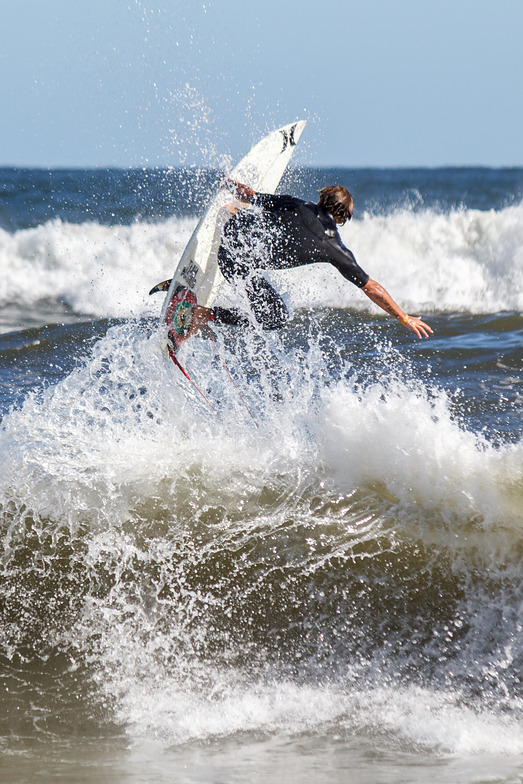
{"x":330,"y":593}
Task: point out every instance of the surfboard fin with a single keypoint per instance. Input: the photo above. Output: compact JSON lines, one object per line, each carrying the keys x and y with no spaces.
{"x":163,"y":286}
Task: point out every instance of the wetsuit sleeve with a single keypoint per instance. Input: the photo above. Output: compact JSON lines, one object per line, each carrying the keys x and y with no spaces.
{"x":343,"y":259}
{"x":272,"y":201}
{"x":328,"y":246}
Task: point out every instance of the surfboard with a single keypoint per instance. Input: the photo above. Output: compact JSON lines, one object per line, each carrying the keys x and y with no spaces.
{"x":197,"y":278}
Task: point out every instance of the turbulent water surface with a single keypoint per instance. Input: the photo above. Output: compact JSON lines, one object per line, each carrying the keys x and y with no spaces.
{"x":314,"y":574}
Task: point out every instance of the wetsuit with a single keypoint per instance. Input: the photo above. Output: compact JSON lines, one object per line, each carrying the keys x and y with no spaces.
{"x":279,"y":232}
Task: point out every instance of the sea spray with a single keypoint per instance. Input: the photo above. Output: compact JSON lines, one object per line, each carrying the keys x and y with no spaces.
{"x":266,"y":580}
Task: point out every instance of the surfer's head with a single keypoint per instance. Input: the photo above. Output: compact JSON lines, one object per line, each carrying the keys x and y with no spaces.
{"x":336,"y":200}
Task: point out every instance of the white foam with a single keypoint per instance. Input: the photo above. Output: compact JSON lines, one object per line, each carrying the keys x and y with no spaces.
{"x":409,"y":444}
{"x":400,"y":717}
{"x":439,"y":721}
{"x":98,"y":270}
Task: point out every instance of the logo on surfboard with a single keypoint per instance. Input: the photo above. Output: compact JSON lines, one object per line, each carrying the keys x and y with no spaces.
{"x":190,"y":274}
{"x":288,"y":138}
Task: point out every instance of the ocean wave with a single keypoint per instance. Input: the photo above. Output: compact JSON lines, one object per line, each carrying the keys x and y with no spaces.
{"x":464,"y":261}
{"x":97,"y":270}
{"x":340,"y":565}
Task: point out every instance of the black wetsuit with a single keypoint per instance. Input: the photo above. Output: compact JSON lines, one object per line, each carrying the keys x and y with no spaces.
{"x":279,"y":232}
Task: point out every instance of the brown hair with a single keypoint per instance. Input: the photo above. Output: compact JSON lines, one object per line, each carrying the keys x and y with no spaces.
{"x":338,"y":201}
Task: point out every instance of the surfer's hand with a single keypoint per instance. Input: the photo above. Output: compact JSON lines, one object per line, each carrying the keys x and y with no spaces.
{"x":381,"y":297}
{"x":232,"y":207}
{"x":243,"y":192}
{"x":418,"y":326}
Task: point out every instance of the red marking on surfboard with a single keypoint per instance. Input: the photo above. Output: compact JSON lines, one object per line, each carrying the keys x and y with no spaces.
{"x":179,"y":316}
{"x":179,"y":319}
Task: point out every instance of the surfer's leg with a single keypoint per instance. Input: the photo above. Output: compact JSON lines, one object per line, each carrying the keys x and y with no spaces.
{"x":231,"y":316}
{"x":268,"y":307}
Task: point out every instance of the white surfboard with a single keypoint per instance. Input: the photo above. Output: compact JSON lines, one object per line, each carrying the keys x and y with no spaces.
{"x":198,"y":278}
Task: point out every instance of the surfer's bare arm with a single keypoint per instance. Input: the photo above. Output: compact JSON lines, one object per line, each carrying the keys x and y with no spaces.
{"x":382,"y":298}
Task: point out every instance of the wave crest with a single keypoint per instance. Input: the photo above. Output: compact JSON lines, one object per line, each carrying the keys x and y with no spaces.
{"x":463,"y":261}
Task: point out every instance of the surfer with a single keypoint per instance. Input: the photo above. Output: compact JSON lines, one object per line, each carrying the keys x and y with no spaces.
{"x":276,"y":232}
{"x":269,"y":232}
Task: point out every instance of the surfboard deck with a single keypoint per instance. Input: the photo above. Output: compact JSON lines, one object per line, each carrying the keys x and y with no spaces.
{"x":197,"y":278}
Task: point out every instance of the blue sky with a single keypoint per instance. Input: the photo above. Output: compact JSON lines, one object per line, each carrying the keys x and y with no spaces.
{"x":382,"y":82}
